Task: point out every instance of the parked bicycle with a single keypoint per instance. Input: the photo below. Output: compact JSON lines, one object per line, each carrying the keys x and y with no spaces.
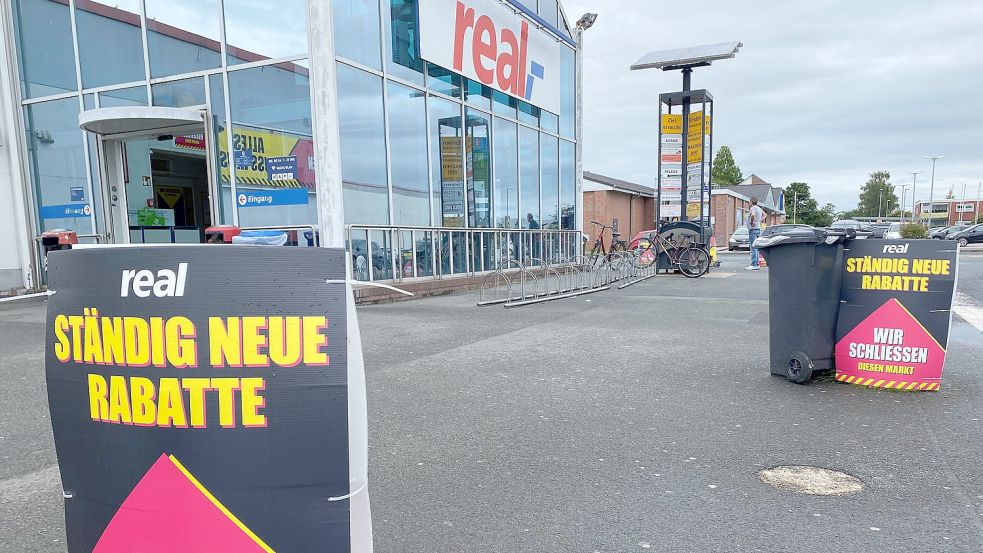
{"x":690,"y":258}
{"x":617,"y":245}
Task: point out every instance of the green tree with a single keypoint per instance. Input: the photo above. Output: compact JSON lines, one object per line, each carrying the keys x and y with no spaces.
{"x":725,"y":171}
{"x":825,"y":216}
{"x":802,"y":208}
{"x":876,"y":195}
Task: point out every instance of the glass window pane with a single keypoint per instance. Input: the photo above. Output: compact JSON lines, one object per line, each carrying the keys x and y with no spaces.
{"x":219,"y":137}
{"x":479,"y":169}
{"x":179,"y":94}
{"x":133,"y":96}
{"x":528,"y":113}
{"x":568,"y":92}
{"x":403,"y":59}
{"x":183,"y":36}
{"x":443,"y":81}
{"x":504,"y":104}
{"x":550,"y":181}
{"x":548,"y":11}
{"x":408,"y":146}
{"x":58,"y":165}
{"x":44,"y":47}
{"x":110,"y":42}
{"x":271,"y":118}
{"x":447,"y":162}
{"x":260,"y":30}
{"x":477,"y":94}
{"x":529,"y":177}
{"x":568,"y":186}
{"x":549,"y":122}
{"x":506,"y":174}
{"x":363,"y":146}
{"x":356,"y":31}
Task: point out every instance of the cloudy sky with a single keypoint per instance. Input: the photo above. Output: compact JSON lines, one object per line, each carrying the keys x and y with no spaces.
{"x":824,"y":91}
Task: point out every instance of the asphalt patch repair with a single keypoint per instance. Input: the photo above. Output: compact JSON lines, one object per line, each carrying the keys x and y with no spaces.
{"x":811,"y":480}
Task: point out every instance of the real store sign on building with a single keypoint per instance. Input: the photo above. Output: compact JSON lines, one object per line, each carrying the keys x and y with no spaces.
{"x":486,"y":41}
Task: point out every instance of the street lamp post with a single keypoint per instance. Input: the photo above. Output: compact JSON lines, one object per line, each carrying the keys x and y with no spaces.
{"x":914,"y":180}
{"x":584,"y":23}
{"x":931,"y":191}
{"x":904,"y":195}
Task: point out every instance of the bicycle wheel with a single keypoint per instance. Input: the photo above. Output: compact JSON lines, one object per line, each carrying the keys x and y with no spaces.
{"x":694,"y":262}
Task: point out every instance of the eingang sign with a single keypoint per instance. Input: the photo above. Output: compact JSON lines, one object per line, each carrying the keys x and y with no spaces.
{"x":489,"y":43}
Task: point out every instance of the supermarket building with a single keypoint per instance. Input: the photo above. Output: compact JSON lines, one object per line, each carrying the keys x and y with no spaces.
{"x":148,"y":121}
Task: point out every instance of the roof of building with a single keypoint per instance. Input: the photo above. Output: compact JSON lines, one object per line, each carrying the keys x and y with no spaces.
{"x":620,"y":185}
{"x":769,"y":197}
{"x":753,"y":179}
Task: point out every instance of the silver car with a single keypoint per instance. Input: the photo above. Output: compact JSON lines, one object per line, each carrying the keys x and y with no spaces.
{"x":739,"y":240}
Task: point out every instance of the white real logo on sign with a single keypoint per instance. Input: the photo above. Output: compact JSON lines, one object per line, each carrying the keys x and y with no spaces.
{"x":486,"y":41}
{"x":167,"y":283}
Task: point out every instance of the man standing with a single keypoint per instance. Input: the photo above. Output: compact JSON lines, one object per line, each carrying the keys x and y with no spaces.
{"x":754,"y":219}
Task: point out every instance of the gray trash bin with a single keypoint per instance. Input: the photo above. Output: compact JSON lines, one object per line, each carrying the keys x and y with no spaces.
{"x":804,"y":272}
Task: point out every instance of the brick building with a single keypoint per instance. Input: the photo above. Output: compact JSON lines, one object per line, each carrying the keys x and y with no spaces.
{"x":607,"y":199}
{"x":950,"y":212}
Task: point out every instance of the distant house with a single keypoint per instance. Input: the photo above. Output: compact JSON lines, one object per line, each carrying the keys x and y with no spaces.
{"x":731,"y":204}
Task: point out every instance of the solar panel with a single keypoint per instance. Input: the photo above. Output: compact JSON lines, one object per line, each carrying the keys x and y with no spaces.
{"x":705,"y":53}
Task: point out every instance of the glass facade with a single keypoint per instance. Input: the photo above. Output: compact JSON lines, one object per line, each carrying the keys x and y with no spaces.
{"x":421,"y":146}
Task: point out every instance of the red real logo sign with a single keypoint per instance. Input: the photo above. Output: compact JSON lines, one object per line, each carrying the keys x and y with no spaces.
{"x":490,"y":43}
{"x":508,"y":65}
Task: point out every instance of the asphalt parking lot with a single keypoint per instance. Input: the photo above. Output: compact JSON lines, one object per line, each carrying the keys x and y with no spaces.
{"x":627,"y":420}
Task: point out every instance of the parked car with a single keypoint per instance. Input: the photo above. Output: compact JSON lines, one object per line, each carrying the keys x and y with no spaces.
{"x":779,"y":229}
{"x":739,"y":240}
{"x":944,"y":232}
{"x":893,"y":232}
{"x":969,"y":235}
{"x":846,"y":225}
{"x":878,"y":229}
{"x":938,"y":233}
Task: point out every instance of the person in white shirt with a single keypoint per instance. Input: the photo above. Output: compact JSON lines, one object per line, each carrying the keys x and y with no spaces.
{"x":754,"y":219}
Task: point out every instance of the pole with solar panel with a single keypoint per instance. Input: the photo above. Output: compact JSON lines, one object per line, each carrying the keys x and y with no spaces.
{"x":693,"y":148}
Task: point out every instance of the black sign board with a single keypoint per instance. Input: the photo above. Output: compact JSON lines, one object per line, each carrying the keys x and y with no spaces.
{"x":894,"y":319}
{"x":199,"y":398}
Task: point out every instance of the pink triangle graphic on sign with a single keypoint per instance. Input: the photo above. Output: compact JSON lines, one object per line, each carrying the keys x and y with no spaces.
{"x":902,"y":330}
{"x":170,"y":511}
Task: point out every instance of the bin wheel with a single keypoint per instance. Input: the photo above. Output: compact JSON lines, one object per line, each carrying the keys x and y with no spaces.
{"x":799,"y":368}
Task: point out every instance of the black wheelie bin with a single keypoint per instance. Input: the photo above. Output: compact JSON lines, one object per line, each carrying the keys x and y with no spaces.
{"x":804,"y":273}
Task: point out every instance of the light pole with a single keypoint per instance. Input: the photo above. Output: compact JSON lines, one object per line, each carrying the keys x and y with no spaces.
{"x":931,"y":191}
{"x":964,"y":203}
{"x":914,"y":180}
{"x":880,"y":198}
{"x":585,"y":22}
{"x":904,"y":195}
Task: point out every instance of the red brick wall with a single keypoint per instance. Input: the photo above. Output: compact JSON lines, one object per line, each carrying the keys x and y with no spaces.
{"x":634,"y":213}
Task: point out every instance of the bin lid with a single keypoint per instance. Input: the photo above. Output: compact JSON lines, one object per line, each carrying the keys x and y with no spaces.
{"x":795,"y":235}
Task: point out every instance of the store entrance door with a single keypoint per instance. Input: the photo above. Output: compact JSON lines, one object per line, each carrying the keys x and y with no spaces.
{"x":155,"y":170}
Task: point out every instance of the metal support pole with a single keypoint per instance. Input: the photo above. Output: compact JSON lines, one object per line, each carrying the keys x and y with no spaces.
{"x":684,"y":194}
{"x":578,"y":199}
{"x":914,"y":182}
{"x":931,"y":193}
{"x":327,"y":134}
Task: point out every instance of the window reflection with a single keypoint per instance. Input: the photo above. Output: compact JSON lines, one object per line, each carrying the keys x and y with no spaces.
{"x":356,"y":30}
{"x":550,"y":182}
{"x":478,"y":95}
{"x":529,"y":178}
{"x":568,"y":102}
{"x":179,"y":94}
{"x":110,"y":42}
{"x":568,"y":186}
{"x":408,"y":146}
{"x":506,"y":174}
{"x":447,"y":162}
{"x":182,"y":36}
{"x":44,"y":47}
{"x":443,"y":81}
{"x":403,"y":57}
{"x":133,"y":96}
{"x":58,"y":165}
{"x":479,"y":169}
{"x":272,"y":145}
{"x":363,"y":146}
{"x":260,"y":30}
